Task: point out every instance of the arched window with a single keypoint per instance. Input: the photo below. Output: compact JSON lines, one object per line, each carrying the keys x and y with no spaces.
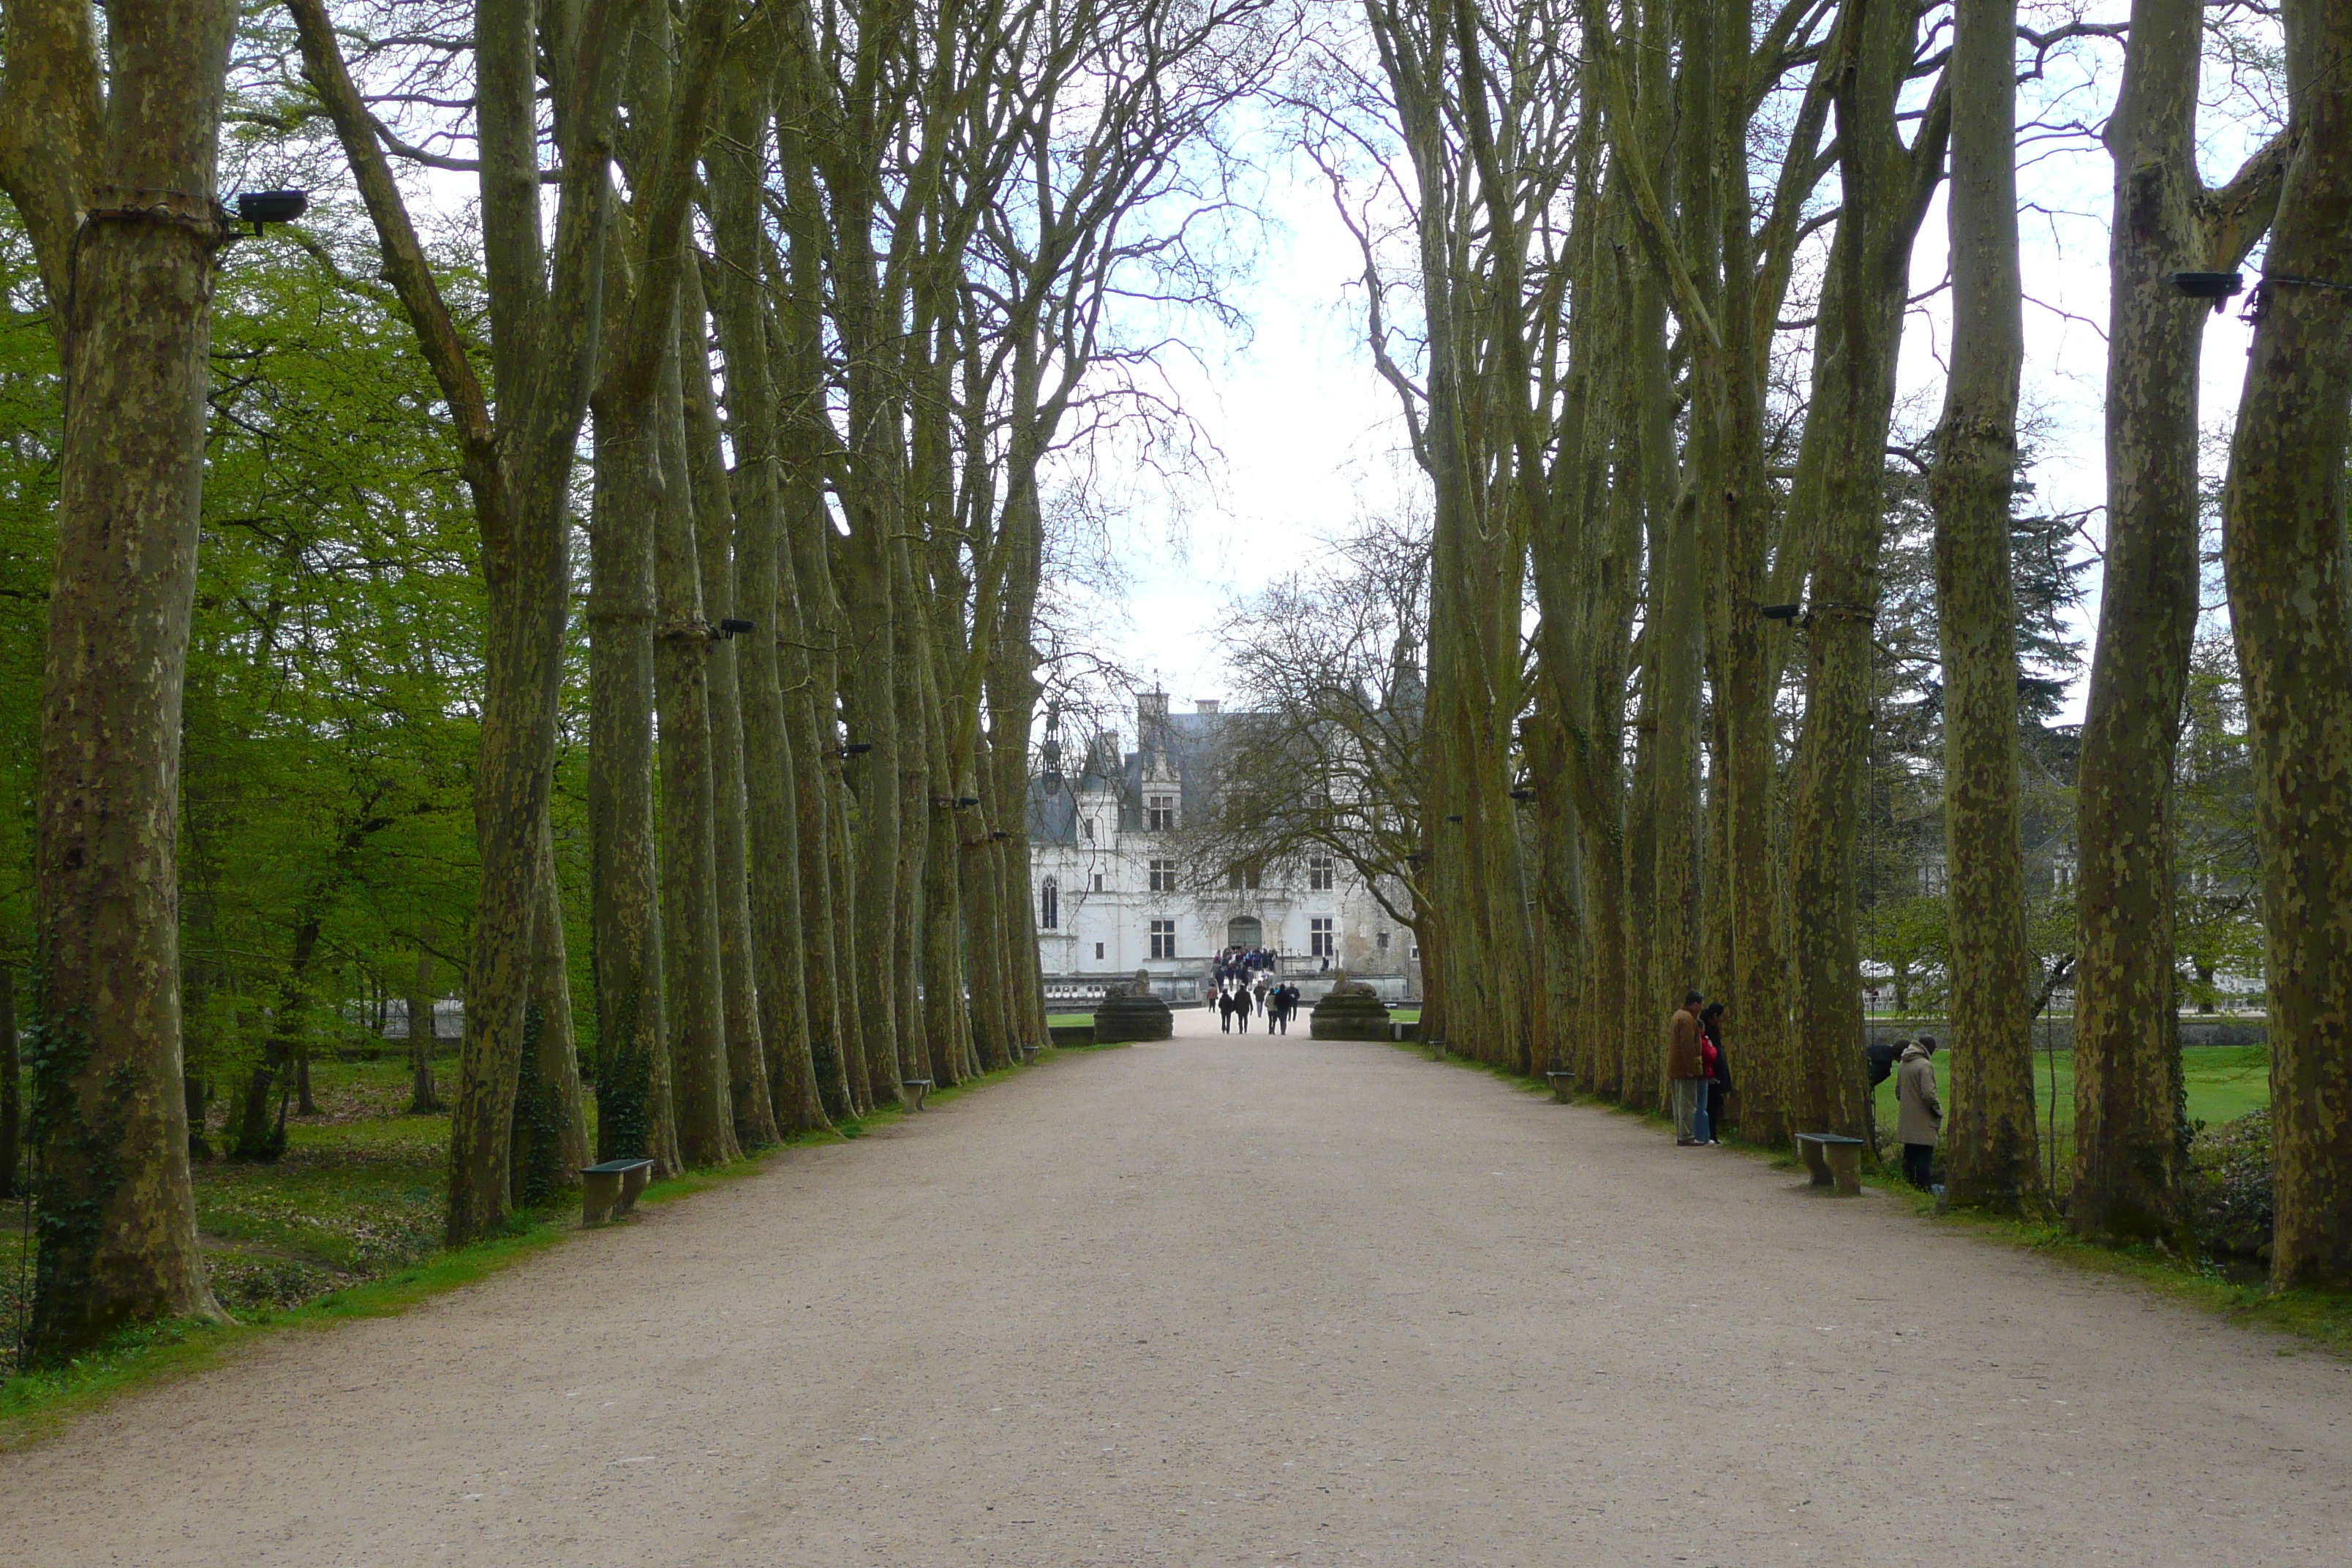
{"x":1049,"y":905}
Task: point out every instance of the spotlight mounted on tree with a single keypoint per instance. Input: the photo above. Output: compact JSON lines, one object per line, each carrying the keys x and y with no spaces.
{"x":1780,"y":612}
{"x":853,"y":749}
{"x":1000,"y":835}
{"x":1456,"y":816}
{"x":1523,"y":795}
{"x":732,"y":627}
{"x":2215,"y":286}
{"x":966,"y":801}
{"x":259,"y":208}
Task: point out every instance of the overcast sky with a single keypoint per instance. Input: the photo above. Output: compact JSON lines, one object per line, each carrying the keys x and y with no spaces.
{"x":1309,"y":435}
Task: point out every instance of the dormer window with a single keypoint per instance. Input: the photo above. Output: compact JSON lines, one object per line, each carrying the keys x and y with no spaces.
{"x":1159,"y":813}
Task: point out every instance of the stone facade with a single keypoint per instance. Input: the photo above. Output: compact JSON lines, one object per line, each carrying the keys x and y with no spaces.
{"x":1112,"y":891}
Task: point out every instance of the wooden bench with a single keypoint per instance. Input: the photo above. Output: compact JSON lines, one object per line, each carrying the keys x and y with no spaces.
{"x":610,"y":1190}
{"x":918,"y":1087}
{"x":1561,"y":1083}
{"x":1834,"y":1160}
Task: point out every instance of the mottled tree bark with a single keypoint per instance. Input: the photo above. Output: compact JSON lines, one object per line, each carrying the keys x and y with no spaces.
{"x":1990,"y":1138}
{"x":2290,"y":578}
{"x":633,"y":1076}
{"x":690,"y":962}
{"x":748,"y":1094}
{"x":2128,"y":1114}
{"x":1841,"y":479}
{"x":119,"y":197}
{"x":551,"y":1121}
{"x":771,"y":655}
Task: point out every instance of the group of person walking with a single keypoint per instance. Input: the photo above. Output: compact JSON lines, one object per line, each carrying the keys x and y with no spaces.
{"x":1235,"y":1003}
{"x":1699,"y":1081}
{"x":1243,"y":964}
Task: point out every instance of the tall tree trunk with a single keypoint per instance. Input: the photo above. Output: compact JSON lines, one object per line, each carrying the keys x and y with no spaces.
{"x":1991,"y":1136}
{"x":874,"y":776}
{"x":691,"y":967}
{"x":2291,"y":607}
{"x":1841,"y":475}
{"x":793,"y":1012}
{"x":2128,"y":1114}
{"x":748,"y":1090}
{"x":116,"y":1226}
{"x":633,"y":1078}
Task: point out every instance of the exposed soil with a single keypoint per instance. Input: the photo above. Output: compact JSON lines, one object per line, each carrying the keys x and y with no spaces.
{"x":1224,"y":1300}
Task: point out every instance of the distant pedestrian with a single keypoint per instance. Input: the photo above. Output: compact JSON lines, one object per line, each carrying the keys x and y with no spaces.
{"x":1719,"y":1070}
{"x":1922,"y":1123}
{"x":1243,"y":1008}
{"x":1686,"y":1072}
{"x":1225,"y":1012}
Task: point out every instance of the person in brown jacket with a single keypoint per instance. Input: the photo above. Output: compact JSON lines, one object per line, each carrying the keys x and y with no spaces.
{"x":1923,"y":1114}
{"x":1687,"y":1070}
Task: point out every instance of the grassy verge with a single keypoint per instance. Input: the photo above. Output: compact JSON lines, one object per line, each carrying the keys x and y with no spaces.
{"x":2218,"y":1090}
{"x":345,"y":1225}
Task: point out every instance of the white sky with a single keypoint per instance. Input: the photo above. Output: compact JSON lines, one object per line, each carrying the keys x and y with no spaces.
{"x":1310,"y":435}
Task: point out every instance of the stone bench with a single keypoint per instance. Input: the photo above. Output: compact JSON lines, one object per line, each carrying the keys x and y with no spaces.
{"x":918,"y":1087}
{"x":1562,"y":1083}
{"x":1834,"y":1160}
{"x":610,"y":1190}
{"x":1029,"y":1053}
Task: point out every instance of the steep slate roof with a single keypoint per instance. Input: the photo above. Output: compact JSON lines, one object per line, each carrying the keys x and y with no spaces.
{"x":1191,"y":743}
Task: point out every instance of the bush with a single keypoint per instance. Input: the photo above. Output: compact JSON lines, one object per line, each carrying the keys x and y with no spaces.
{"x":2230,"y":1188}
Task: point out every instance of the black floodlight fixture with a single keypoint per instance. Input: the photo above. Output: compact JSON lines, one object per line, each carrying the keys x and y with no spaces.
{"x":2214,"y":286}
{"x":1000,"y":835}
{"x":732,"y":627}
{"x":966,"y":801}
{"x":258,"y":208}
{"x":1456,"y":816}
{"x":1780,"y":612}
{"x":855,"y":749}
{"x":1523,"y":795}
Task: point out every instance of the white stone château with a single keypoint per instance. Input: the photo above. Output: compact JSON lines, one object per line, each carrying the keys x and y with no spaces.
{"x":1113,"y":893}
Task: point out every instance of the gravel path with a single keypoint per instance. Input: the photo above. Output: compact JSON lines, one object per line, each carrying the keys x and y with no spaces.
{"x":1224,"y":1301}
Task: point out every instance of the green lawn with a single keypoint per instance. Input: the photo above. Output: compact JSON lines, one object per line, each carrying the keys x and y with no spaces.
{"x":2224,"y":1082}
{"x":1068,"y":1020}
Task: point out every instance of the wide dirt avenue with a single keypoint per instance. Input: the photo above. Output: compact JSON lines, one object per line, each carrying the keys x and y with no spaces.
{"x":1231,"y":1300}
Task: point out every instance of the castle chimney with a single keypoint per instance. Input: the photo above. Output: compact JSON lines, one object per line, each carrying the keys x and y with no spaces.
{"x":1205,"y":704}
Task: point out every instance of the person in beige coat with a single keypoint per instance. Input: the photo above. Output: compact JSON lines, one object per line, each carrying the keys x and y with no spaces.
{"x":1686,"y":1072}
{"x":1922,"y":1122}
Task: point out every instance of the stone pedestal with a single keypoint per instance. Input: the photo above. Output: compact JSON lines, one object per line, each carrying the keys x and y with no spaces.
{"x":1132,"y":1012}
{"x":1350,"y":1012}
